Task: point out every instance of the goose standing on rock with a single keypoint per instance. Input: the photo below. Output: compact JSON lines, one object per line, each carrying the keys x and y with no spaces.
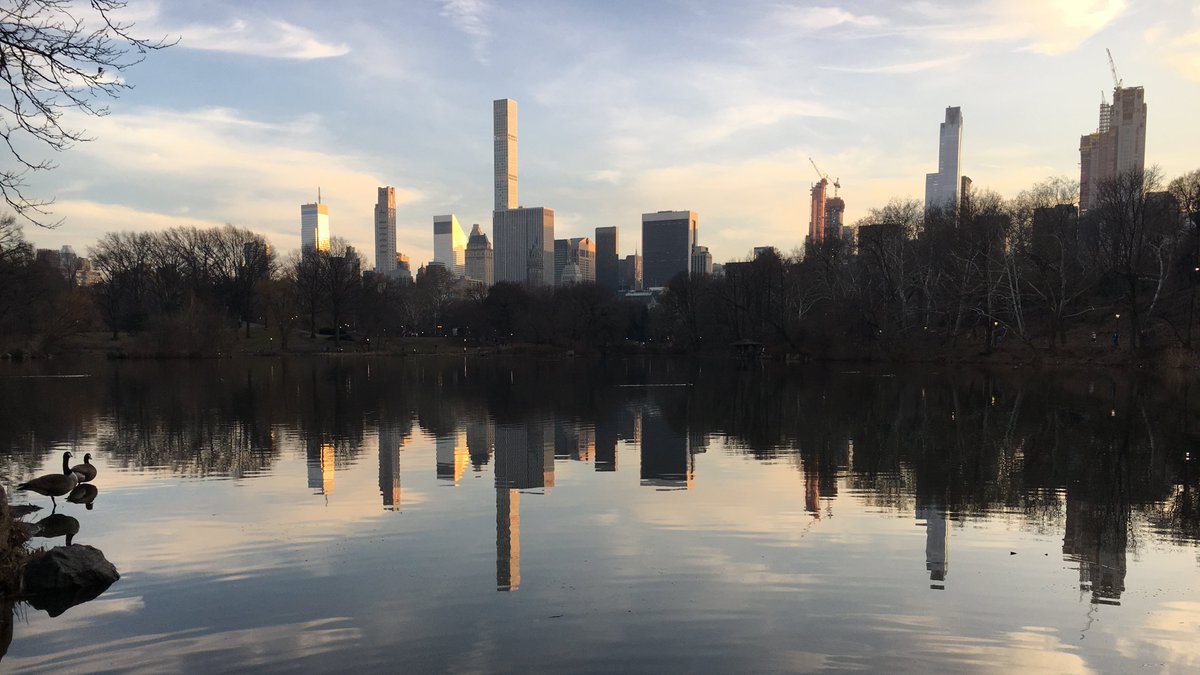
{"x":86,"y":471}
{"x":54,"y":484}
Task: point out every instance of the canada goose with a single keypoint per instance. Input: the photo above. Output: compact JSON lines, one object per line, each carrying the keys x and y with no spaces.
{"x":86,"y":471}
{"x":84,"y":493}
{"x":54,"y":484}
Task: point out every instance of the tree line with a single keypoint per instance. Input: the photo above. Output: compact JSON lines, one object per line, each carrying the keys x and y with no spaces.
{"x":1030,"y":271}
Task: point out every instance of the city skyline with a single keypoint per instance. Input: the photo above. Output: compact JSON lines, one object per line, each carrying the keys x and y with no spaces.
{"x":725,"y":130}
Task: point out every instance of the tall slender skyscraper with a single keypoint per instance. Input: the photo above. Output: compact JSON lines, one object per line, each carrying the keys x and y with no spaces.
{"x":941,"y":188}
{"x":504,"y":132}
{"x":385,"y":232}
{"x":314,"y":227}
{"x":1117,"y":146}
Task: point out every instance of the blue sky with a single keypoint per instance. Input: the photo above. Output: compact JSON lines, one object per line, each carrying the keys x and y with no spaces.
{"x":624,"y":108}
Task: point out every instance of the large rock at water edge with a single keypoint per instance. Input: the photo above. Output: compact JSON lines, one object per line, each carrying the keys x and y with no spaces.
{"x":69,"y":568}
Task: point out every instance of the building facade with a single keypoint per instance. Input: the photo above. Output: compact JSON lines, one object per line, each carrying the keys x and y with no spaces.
{"x":942,"y":188}
{"x":524,"y":245}
{"x":314,"y":227}
{"x":702,"y":261}
{"x":631,"y":273}
{"x":667,"y":241}
{"x":449,"y":244}
{"x":816,"y":218}
{"x":1118,"y":145}
{"x":608,"y":257}
{"x":835,"y":210}
{"x":385,"y":231}
{"x":480,"y":262}
{"x":504,"y":136}
{"x":574,"y":261}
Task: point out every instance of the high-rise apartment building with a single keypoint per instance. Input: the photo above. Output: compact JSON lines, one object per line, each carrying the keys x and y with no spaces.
{"x":667,"y":241}
{"x":1118,"y":145}
{"x":385,"y":232}
{"x":942,"y":188}
{"x":524,"y":245}
{"x":480,"y":262}
{"x":449,"y":244}
{"x":314,"y":227}
{"x":608,"y":272}
{"x":504,"y":133}
{"x":816,"y":220}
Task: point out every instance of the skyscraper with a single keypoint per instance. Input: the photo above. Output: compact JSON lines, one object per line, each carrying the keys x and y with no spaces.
{"x":702,"y":264}
{"x":574,"y":261}
{"x":1118,"y":145}
{"x":941,"y":188}
{"x":449,"y":244}
{"x":385,"y":232}
{"x":524,"y":245}
{"x":480,"y":263}
{"x":504,"y":133}
{"x":667,"y":241}
{"x":314,"y":227}
{"x":835,"y":209}
{"x":608,"y":273}
{"x":816,"y":220}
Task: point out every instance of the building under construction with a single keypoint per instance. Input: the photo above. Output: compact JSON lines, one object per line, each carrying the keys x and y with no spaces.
{"x":1119,"y":142}
{"x":826,"y":213}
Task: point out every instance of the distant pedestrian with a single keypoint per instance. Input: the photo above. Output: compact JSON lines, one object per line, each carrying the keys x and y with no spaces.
{"x":1093,"y":337}
{"x":1116,"y":338}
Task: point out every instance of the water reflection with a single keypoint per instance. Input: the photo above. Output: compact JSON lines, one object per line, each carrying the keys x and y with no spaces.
{"x":1101,"y":463}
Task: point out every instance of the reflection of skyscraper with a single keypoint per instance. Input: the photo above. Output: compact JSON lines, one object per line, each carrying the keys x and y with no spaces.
{"x":452,"y":456}
{"x":1096,"y":536}
{"x":574,"y":440}
{"x":525,"y":455}
{"x":481,"y":438}
{"x":606,"y":443}
{"x":390,"y":442}
{"x":508,"y":539}
{"x":937,"y":543}
{"x":666,"y":462}
{"x":320,"y":466}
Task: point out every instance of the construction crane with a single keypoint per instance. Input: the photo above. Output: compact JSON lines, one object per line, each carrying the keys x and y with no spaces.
{"x":837,"y":182}
{"x":1113,"y":67}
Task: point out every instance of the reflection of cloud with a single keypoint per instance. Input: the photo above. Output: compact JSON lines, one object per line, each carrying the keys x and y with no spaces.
{"x":1167,"y":635}
{"x":280,"y":647}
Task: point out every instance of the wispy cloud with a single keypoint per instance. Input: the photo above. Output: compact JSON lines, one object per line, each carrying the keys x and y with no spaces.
{"x":900,"y":68}
{"x":470,"y":17}
{"x":1178,"y":45}
{"x":1042,"y":26}
{"x":270,"y":38}
{"x":822,"y":18}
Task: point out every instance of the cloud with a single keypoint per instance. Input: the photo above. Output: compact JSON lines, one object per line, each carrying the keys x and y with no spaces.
{"x":470,"y":17}
{"x":1042,"y":26}
{"x":900,"y":68}
{"x":271,"y":38}
{"x":738,"y":118}
{"x":1178,"y":45}
{"x":822,"y":18}
{"x":215,"y":166}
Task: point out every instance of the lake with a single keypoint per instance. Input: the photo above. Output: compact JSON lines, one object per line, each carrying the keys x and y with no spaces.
{"x":636,"y":515}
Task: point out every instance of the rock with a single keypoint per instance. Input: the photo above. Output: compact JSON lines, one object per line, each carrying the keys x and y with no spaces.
{"x":68,"y":568}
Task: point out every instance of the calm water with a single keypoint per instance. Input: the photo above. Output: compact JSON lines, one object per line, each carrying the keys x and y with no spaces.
{"x":328,"y":514}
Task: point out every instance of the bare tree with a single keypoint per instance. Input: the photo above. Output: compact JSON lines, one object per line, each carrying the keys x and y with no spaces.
{"x":57,"y":56}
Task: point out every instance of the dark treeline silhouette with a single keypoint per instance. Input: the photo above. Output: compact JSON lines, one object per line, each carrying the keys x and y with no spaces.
{"x":1026,"y":275}
{"x":971,"y":442}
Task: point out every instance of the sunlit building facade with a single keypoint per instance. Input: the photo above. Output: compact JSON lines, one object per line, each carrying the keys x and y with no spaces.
{"x":504,"y":133}
{"x":385,"y":231}
{"x":450,"y":244}
{"x":314,"y":227}
{"x":1118,"y":145}
{"x":480,"y":257}
{"x":524,"y":245}
{"x":942,"y":188}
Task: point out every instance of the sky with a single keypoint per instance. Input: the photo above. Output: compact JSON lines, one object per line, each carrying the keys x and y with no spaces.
{"x":624,"y":107}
